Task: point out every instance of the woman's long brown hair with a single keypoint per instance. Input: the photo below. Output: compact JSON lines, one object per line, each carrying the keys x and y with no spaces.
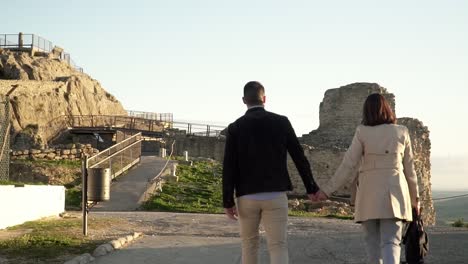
{"x":377,"y":111}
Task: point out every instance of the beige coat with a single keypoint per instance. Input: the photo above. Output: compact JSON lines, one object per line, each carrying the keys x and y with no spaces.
{"x":387,"y":185}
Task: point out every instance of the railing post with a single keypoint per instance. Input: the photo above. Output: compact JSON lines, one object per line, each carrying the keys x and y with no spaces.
{"x":110,"y":163}
{"x":84,"y":194}
{"x":20,"y":40}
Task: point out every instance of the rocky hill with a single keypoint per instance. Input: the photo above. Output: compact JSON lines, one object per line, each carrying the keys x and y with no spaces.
{"x":48,"y":89}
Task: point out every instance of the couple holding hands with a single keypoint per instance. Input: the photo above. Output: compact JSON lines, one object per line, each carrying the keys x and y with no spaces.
{"x":255,"y":177}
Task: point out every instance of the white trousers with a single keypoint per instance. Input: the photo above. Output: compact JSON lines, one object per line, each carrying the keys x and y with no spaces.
{"x":383,"y":238}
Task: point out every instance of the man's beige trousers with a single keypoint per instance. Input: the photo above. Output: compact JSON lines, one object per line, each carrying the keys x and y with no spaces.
{"x":274,"y":217}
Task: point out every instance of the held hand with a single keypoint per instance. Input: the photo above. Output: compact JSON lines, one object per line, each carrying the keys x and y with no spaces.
{"x":318,"y":196}
{"x":321,"y":196}
{"x":417,"y":208}
{"x":312,"y":197}
{"x":231,"y":213}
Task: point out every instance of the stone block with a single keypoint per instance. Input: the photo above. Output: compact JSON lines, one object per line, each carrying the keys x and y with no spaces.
{"x":22,"y":157}
{"x":51,"y":155}
{"x":122,"y":241}
{"x":34,"y":151}
{"x":40,"y":156}
{"x":71,"y":156}
{"x":116,"y":244}
{"x":70,"y":146}
{"x":108,"y":247}
{"x":65,"y":152}
{"x":73,"y":151}
{"x":86,"y":258}
{"x":101,"y":250}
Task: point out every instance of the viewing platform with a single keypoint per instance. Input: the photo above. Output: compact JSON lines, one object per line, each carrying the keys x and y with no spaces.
{"x":35,"y":45}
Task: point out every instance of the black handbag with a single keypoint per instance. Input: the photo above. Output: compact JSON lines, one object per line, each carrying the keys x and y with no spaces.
{"x":415,"y":241}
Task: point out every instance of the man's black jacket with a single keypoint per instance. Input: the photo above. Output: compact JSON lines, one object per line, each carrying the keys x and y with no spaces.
{"x":255,"y":157}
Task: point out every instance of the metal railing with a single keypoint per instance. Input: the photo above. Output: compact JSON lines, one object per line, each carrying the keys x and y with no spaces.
{"x":4,"y":137}
{"x":183,"y":128}
{"x":156,"y":127}
{"x":28,"y":41}
{"x":67,"y":57}
{"x":165,"y":117}
{"x":33,"y":42}
{"x":120,"y":157}
{"x":165,"y":128}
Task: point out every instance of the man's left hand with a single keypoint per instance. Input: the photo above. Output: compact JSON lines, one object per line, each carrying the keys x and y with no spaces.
{"x":231,"y":213}
{"x":321,"y":196}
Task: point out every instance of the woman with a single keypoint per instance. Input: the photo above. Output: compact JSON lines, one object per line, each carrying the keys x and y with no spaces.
{"x":387,"y":187}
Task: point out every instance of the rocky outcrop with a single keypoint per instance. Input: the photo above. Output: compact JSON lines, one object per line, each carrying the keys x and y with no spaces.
{"x":340,"y":113}
{"x":47,"y":90}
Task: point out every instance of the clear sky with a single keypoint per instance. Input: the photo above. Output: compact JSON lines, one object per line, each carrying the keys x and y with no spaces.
{"x":192,"y":58}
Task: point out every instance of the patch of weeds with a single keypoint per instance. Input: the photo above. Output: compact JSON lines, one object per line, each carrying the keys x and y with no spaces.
{"x":50,"y":239}
{"x":460,"y":223}
{"x":52,"y":163}
{"x":300,"y":213}
{"x":73,"y":198}
{"x":199,"y":190}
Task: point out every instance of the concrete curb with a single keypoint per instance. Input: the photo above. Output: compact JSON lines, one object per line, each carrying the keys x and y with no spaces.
{"x":104,"y":249}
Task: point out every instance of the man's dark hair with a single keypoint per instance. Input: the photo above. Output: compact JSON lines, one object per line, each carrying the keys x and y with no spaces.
{"x":253,"y":93}
{"x":377,"y":111}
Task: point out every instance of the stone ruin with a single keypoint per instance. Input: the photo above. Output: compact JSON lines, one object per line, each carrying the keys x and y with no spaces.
{"x":340,"y":114}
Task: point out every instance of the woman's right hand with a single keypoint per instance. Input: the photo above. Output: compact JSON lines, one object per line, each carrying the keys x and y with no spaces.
{"x":417,"y":208}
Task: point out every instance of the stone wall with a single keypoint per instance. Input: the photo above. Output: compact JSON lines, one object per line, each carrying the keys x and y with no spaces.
{"x":197,"y":146}
{"x":421,"y":144}
{"x":71,"y":152}
{"x":340,"y":113}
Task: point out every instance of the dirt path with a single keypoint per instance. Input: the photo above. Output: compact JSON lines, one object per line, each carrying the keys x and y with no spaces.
{"x":204,"y":238}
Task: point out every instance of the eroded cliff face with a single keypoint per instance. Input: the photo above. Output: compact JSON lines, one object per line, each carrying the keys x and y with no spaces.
{"x":340,"y":114}
{"x":47,"y":89}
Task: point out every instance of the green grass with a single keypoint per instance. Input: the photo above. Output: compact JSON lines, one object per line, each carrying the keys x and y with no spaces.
{"x":198,"y":190}
{"x":73,"y":198}
{"x":301,"y":213}
{"x":49,"y":239}
{"x":52,"y":163}
{"x":4,"y":182}
{"x":460,"y":223}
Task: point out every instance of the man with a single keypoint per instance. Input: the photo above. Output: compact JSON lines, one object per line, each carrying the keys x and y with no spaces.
{"x":255,"y":169}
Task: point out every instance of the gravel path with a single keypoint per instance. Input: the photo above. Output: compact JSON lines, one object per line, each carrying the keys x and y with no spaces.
{"x":204,"y":238}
